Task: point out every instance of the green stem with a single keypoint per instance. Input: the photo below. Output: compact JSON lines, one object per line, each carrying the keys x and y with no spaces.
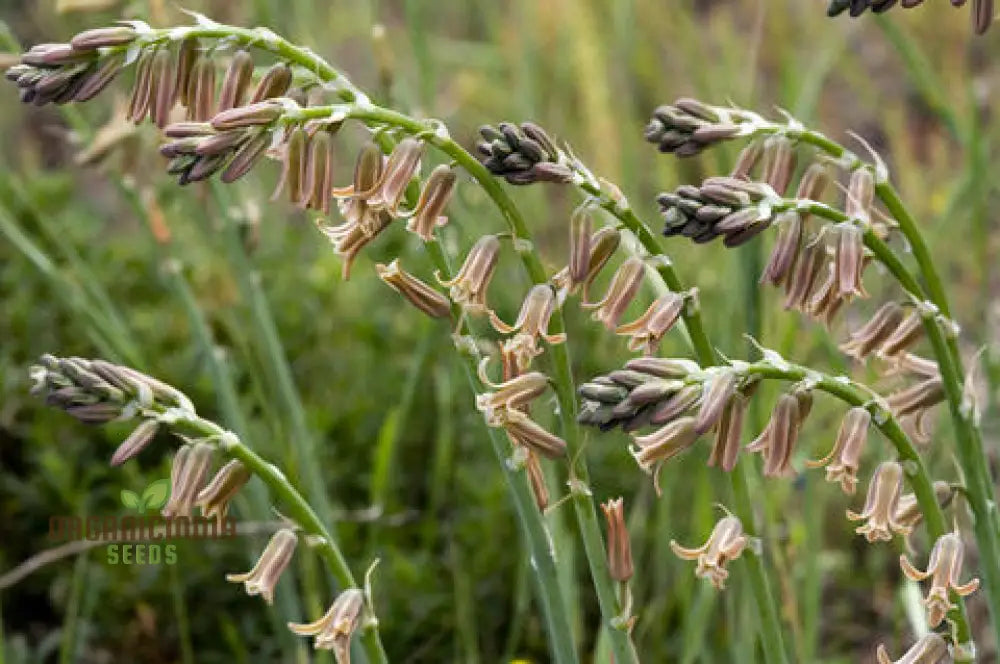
{"x":295,"y":507}
{"x":771,"y":635}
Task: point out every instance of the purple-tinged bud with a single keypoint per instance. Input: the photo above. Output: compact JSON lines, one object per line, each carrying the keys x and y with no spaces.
{"x":246,"y":157}
{"x":293,"y":154}
{"x":860,"y":195}
{"x":619,"y":548}
{"x":101,"y":37}
{"x":187,"y":477}
{"x":201,"y":90}
{"x":274,"y":83}
{"x":786,"y":248}
{"x":813,"y":183}
{"x":851,"y":262}
{"x":875,"y":332}
{"x":726,"y":450}
{"x":137,"y":441}
{"x":261,"y":113}
{"x":748,"y":158}
{"x":779,"y":163}
{"x":187,"y":55}
{"x":802,"y":279}
{"x":236,"y":81}
{"x":214,"y":499}
{"x":579,"y":246}
{"x":401,"y":167}
{"x":139,"y":102}
{"x":717,"y":395}
{"x":904,"y":336}
{"x":777,"y":441}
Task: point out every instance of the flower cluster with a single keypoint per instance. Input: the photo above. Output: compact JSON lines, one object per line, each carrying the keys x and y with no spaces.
{"x":522,"y":154}
{"x":982,"y":10}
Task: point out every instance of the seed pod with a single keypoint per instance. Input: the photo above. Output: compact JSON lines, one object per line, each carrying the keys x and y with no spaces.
{"x":275,"y":83}
{"x":236,"y":81}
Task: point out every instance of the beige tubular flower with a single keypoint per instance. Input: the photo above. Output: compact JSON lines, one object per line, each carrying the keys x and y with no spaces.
{"x":264,"y":576}
{"x":850,"y":259}
{"x":930,"y":649}
{"x":619,"y":547}
{"x":842,"y":461}
{"x":517,"y":392}
{"x":881,"y":504}
{"x":719,"y":391}
{"x":334,"y":630}
{"x":874,"y":333}
{"x":726,"y":543}
{"x":726,"y":449}
{"x":136,"y":442}
{"x":777,"y":441}
{"x":536,"y":479}
{"x":944,"y":570}
{"x":418,"y":293}
{"x":786,"y":248}
{"x":468,"y":286}
{"x":352,"y":200}
{"x":524,"y":431}
{"x":434,"y":197}
{"x":622,"y":290}
{"x":601,"y":246}
{"x":214,"y":499}
{"x":647,"y":330}
{"x":532,"y":323}
{"x":187,"y":475}
{"x":655,"y":449}
{"x":401,"y":167}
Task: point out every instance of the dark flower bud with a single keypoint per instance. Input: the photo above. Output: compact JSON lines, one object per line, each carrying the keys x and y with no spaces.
{"x":522,"y":154}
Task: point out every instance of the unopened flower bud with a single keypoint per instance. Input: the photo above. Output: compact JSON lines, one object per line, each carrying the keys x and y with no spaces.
{"x":137,"y":441}
{"x":619,"y":547}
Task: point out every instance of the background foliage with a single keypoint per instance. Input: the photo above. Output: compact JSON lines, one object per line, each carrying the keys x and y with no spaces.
{"x":114,"y":260}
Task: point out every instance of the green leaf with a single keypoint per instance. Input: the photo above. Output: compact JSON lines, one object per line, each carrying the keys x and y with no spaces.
{"x":156,"y":494}
{"x":130,"y":499}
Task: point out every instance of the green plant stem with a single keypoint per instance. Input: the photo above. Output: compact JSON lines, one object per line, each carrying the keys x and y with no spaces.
{"x":294,"y":506}
{"x":772,"y":639}
{"x":583,"y":501}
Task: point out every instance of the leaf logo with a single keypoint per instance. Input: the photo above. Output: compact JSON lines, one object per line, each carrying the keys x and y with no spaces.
{"x":153,"y":496}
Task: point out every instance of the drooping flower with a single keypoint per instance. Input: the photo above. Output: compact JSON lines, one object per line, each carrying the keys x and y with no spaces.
{"x":944,"y":568}
{"x":418,"y":293}
{"x":622,"y":290}
{"x":647,"y":331}
{"x":619,"y":547}
{"x":653,"y":450}
{"x":881,"y":505}
{"x":532,"y":323}
{"x":264,"y":576}
{"x":187,"y":476}
{"x":930,"y":649}
{"x":726,"y":543}
{"x":434,"y":197}
{"x":214,"y":499}
{"x":334,"y":630}
{"x":726,"y":449}
{"x":842,"y":461}
{"x":468,"y":286}
{"x":777,"y":441}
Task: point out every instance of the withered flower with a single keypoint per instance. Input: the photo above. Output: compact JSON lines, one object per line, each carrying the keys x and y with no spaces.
{"x":619,"y":547}
{"x":726,"y":543}
{"x":930,"y":649}
{"x":418,"y":293}
{"x":188,"y":473}
{"x":434,"y":197}
{"x":944,"y":569}
{"x":726,"y":449}
{"x":874,"y":333}
{"x":264,"y":576}
{"x":842,"y":461}
{"x":653,"y":450}
{"x":522,"y":154}
{"x":621,"y":291}
{"x":137,"y":441}
{"x":777,"y":441}
{"x":532,"y":323}
{"x":214,"y":499}
{"x":648,"y":330}
{"x":536,"y":479}
{"x":514,"y":393}
{"x":334,"y":630}
{"x":468,"y":286}
{"x":524,"y":431}
{"x":905,"y":335}
{"x":881,"y":504}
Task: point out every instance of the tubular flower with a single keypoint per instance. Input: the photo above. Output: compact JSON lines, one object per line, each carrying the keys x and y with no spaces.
{"x":334,"y":630}
{"x":918,"y":398}
{"x":930,"y":649}
{"x":802,"y":277}
{"x":908,"y":510}
{"x":264,"y":576}
{"x":434,"y":197}
{"x":536,"y":479}
{"x":468,"y":286}
{"x":944,"y":569}
{"x":619,"y":547}
{"x":777,"y":441}
{"x":842,"y":461}
{"x":524,"y":431}
{"x":875,"y":332}
{"x":727,"y":441}
{"x":850,"y":259}
{"x":601,"y":247}
{"x":648,"y":330}
{"x":655,"y":449}
{"x":401,"y":167}
{"x":718,"y":392}
{"x":349,"y":239}
{"x":726,"y":543}
{"x":187,"y":475}
{"x":353,"y":200}
{"x":416,"y":292}
{"x":516,"y":392}
{"x":881,"y":505}
{"x":621,"y":291}
{"x":214,"y":499}
{"x":786,"y":248}
{"x":532,"y":322}
{"x":136,"y":442}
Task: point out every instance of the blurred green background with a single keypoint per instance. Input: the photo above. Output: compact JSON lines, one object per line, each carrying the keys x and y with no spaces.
{"x":347,"y":387}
